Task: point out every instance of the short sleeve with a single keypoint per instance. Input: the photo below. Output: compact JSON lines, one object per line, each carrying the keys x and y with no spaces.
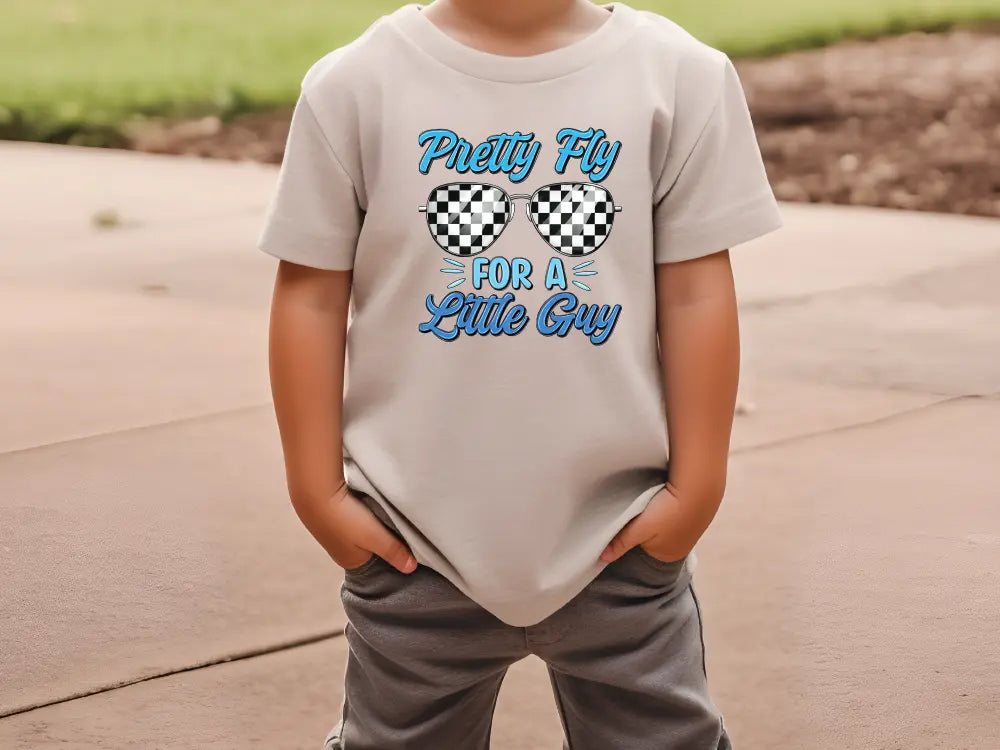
{"x":314,"y":215}
{"x":713,"y":193}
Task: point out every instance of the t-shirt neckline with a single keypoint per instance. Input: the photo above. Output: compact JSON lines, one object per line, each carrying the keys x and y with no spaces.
{"x":414,"y":25}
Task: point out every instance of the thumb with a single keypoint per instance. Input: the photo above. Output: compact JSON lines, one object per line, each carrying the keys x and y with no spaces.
{"x":630,"y":535}
{"x":390,"y":548}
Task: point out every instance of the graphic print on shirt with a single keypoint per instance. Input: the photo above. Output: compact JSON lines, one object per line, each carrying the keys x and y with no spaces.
{"x":465,"y":219}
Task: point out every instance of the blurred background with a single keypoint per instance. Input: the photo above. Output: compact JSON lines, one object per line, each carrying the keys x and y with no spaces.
{"x":156,"y":590}
{"x":905,"y":123}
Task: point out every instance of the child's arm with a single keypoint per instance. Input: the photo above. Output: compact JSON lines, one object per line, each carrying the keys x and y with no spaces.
{"x":307,"y":345}
{"x":700,"y":352}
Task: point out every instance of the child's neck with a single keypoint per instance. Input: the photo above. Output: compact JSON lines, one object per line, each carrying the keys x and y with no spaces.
{"x":516,"y":27}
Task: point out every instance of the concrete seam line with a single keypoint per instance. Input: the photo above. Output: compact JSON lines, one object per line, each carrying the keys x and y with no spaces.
{"x":309,"y":640}
{"x":137,"y":428}
{"x":238,"y":656}
{"x":801,"y":298}
{"x":782,"y":442}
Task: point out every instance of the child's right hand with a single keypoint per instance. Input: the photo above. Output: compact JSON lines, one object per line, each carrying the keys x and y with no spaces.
{"x":355,"y":534}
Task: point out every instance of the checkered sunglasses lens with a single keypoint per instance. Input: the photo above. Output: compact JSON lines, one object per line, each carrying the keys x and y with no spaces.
{"x":465,"y":218}
{"x":573,"y":217}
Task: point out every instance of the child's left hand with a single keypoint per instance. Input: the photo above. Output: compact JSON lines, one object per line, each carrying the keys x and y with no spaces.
{"x":667,"y":529}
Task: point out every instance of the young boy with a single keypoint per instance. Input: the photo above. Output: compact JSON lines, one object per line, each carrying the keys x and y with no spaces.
{"x":526,"y":207}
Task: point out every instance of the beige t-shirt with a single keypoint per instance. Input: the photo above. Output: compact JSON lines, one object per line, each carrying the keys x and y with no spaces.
{"x":502,"y":217}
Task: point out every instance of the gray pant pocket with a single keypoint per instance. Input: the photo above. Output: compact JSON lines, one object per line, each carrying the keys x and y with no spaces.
{"x":656,"y":562}
{"x":364,"y":567}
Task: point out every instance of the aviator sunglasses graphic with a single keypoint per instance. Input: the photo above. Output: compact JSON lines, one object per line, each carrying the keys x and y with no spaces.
{"x":466,"y":218}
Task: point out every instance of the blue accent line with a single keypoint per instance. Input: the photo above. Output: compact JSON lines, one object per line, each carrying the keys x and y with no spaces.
{"x":453,"y":262}
{"x":582,"y":286}
{"x":583,"y":265}
{"x":585,"y":273}
{"x":452,"y":270}
{"x":456,"y":283}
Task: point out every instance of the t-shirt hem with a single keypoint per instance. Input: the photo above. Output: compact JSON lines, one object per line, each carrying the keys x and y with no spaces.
{"x":728,"y":229}
{"x":326,"y":253}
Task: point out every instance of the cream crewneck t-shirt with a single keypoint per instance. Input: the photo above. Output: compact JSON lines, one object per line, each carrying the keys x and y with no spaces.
{"x":503,"y":217}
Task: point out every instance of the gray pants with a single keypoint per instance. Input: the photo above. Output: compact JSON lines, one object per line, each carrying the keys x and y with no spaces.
{"x":625,"y":658}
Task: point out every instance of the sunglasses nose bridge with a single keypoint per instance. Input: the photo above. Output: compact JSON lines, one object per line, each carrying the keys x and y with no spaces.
{"x":520,"y":196}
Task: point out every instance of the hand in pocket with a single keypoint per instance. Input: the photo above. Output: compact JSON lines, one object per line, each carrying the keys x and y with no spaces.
{"x":351,"y":534}
{"x":667,"y":529}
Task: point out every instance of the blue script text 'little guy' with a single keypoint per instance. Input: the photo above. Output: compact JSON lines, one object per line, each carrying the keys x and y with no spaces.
{"x":475,"y":315}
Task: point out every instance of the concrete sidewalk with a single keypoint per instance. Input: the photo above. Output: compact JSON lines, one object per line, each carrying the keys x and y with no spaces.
{"x":151,"y":558}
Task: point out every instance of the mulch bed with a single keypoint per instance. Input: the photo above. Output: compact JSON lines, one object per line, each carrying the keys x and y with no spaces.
{"x":909,"y":122}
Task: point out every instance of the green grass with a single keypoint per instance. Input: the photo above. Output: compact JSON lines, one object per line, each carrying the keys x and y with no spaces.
{"x":74,"y":69}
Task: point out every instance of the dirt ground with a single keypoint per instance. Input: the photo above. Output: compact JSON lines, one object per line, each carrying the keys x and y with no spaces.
{"x":908,"y":122}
